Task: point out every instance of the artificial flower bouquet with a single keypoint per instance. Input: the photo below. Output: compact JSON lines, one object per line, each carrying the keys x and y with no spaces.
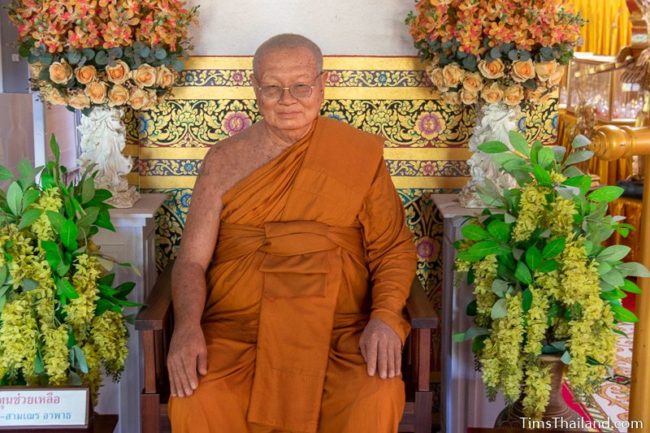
{"x":544,"y":282}
{"x":88,"y":53}
{"x":61,"y":319}
{"x":509,"y":51}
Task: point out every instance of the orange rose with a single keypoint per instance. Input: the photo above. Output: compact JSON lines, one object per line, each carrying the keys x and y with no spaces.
{"x":118,"y":73}
{"x":165,"y":77}
{"x":118,"y":95}
{"x":468,"y":98}
{"x":60,"y":72}
{"x":96,"y":91}
{"x":138,"y":98}
{"x":545,"y":70}
{"x":451,"y":98}
{"x":452,"y":74}
{"x":437,"y":79}
{"x":513,"y":95}
{"x":145,"y":76}
{"x":473,"y":82}
{"x":523,"y":71}
{"x":492,"y":70}
{"x":85,"y":74}
{"x":492,"y":94}
{"x":556,"y":77}
{"x":79,"y":100}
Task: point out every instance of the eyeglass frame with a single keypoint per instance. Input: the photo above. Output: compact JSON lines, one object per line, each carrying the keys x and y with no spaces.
{"x":288,"y":88}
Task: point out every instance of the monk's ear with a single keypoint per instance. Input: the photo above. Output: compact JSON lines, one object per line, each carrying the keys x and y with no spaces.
{"x":324,"y":76}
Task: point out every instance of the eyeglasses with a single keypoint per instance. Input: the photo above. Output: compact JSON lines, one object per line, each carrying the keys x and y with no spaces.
{"x":298,"y":90}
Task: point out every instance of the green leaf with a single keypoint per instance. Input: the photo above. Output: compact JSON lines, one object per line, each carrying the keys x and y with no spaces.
{"x":87,"y":190}
{"x":3,"y":275}
{"x":28,"y":284}
{"x":582,"y":182}
{"x":499,"y":309}
{"x":5,"y":173}
{"x":533,"y":258}
{"x":499,"y":287}
{"x":484,"y":248}
{"x":56,"y":220}
{"x":474,"y":232}
{"x":558,"y":152}
{"x":526,"y":300}
{"x":468,"y":256}
{"x":65,"y":289}
{"x":472,"y":308}
{"x":459,"y":337}
{"x":30,"y":196}
{"x":499,"y":230}
{"x":52,"y":253}
{"x":493,"y":147}
{"x":546,"y":157}
{"x":81,"y":359}
{"x":578,"y":157}
{"x":603,"y":268}
{"x":104,"y":220}
{"x":54,"y":146}
{"x":572,"y":171}
{"x":613,"y":277}
{"x":69,"y":235}
{"x":630,"y":287}
{"x":29,"y":217}
{"x":15,"y":198}
{"x":522,"y":273}
{"x":613,"y":295}
{"x":39,"y":366}
{"x":606,"y":194}
{"x":543,"y":177}
{"x":633,"y":269}
{"x":519,"y":143}
{"x":580,"y":141}
{"x":566,"y":357}
{"x":622,"y":314}
{"x":613,"y":253}
{"x":548,"y":266}
{"x":554,"y":248}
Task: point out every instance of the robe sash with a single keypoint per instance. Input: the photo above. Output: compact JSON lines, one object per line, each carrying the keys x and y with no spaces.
{"x":302,"y":274}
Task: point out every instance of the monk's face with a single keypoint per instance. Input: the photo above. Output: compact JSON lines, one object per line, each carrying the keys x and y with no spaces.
{"x":292,"y":111}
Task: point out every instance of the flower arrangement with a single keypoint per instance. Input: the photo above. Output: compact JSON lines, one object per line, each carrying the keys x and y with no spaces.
{"x":544,"y":283}
{"x":61,"y":319}
{"x":494,"y":51}
{"x":88,"y":53}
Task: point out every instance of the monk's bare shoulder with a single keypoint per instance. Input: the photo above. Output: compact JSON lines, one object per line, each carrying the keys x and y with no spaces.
{"x":230,"y":160}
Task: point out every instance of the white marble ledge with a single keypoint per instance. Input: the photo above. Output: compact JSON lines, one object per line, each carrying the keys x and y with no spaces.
{"x":145,"y":207}
{"x":449,"y":206}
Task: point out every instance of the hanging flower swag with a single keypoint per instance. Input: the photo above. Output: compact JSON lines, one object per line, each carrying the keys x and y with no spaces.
{"x":544,"y":282}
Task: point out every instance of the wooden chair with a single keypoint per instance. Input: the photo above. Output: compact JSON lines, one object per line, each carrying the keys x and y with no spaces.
{"x":155,"y":323}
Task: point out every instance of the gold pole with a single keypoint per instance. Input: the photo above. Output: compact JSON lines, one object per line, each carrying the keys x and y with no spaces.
{"x":611,"y":143}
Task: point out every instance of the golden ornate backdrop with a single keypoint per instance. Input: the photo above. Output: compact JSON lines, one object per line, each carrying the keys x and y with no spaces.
{"x":389,"y":96}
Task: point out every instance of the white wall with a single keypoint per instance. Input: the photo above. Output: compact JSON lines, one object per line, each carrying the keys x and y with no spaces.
{"x":350,"y":27}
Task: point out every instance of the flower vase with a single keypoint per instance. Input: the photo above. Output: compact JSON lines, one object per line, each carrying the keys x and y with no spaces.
{"x":558,"y":414}
{"x":103,"y":138}
{"x":493,"y":122}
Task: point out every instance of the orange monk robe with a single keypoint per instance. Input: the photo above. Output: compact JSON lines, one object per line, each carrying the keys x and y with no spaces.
{"x":311,"y":246}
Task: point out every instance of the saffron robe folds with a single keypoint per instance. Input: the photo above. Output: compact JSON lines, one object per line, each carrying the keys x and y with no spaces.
{"x":311,"y":246}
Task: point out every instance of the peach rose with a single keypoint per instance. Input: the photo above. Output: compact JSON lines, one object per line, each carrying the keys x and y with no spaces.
{"x":118,"y":73}
{"x":556,"y":78}
{"x":468,"y":98}
{"x":492,"y":94}
{"x":85,"y":74}
{"x":118,"y":95}
{"x":451,"y":98}
{"x":513,"y":95}
{"x":452,"y":74}
{"x":437,"y":79}
{"x":523,"y":71}
{"x":165,"y":77}
{"x":138,"y":98}
{"x":54,"y":96}
{"x":545,"y":70}
{"x":492,"y":70}
{"x":96,"y":91}
{"x":79,"y":100}
{"x":473,"y":82}
{"x":145,"y":76}
{"x":60,"y":72}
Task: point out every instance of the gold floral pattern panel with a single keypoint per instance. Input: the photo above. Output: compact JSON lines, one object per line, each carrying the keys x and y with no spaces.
{"x":426,"y":148}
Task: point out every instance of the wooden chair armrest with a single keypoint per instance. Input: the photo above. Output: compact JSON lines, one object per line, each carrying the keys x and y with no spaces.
{"x":153,"y":316}
{"x":419,"y":308}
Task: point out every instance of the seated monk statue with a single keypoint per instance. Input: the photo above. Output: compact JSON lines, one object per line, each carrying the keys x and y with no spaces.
{"x":293,"y":272}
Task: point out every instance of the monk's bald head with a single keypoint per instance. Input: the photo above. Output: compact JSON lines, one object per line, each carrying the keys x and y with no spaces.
{"x":287,"y":41}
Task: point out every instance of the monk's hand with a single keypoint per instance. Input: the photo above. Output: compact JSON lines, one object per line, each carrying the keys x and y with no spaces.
{"x":381,"y":348}
{"x":187,"y":355}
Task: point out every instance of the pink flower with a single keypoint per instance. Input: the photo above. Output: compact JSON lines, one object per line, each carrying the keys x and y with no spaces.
{"x":235,"y":122}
